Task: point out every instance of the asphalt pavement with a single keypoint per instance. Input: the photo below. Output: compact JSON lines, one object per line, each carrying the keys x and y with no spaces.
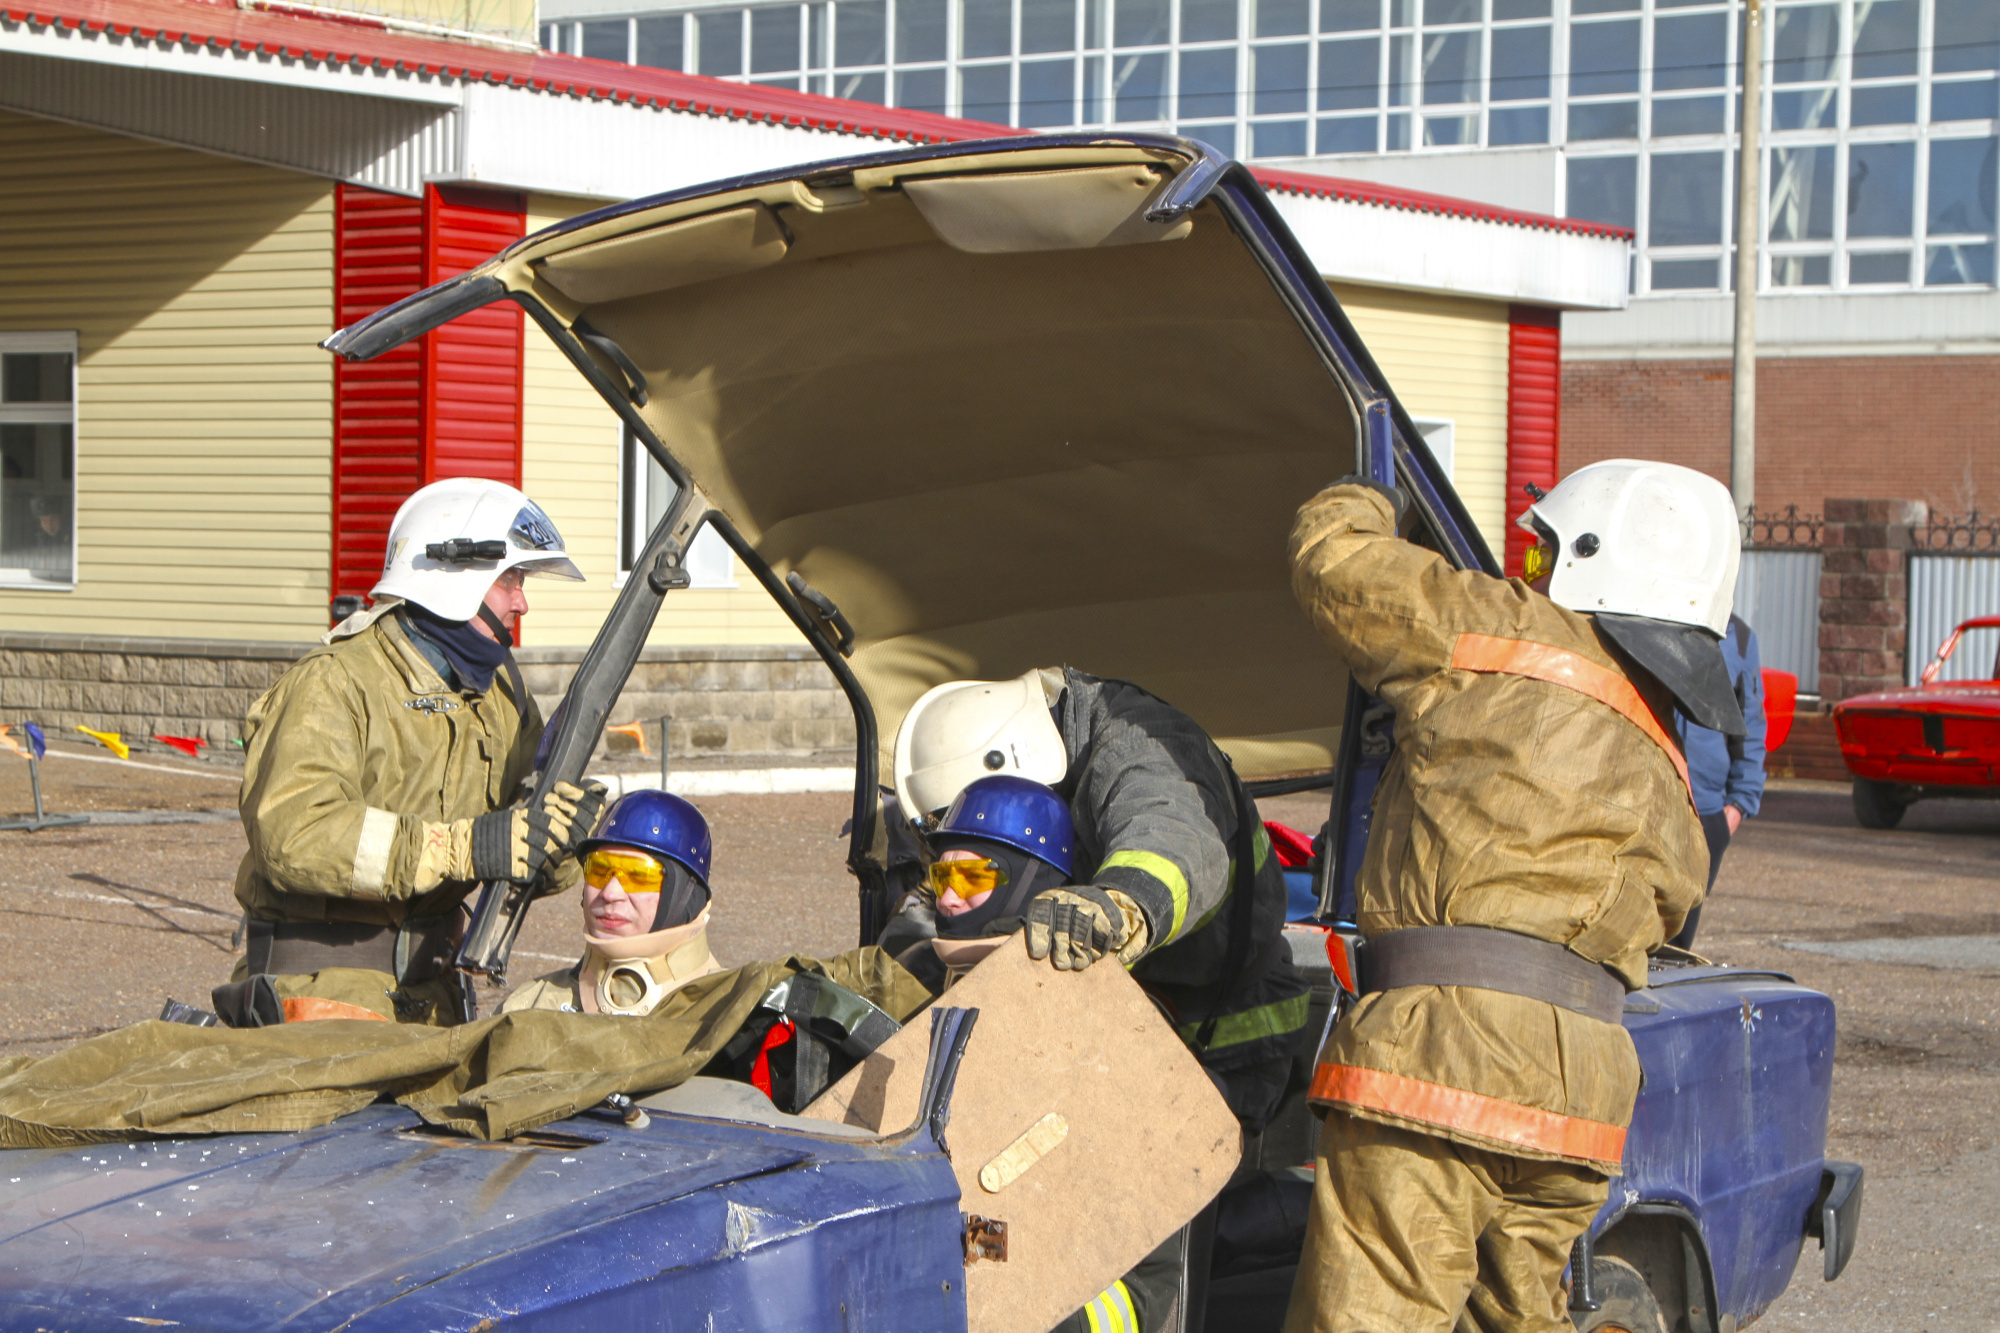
{"x":104,"y":921}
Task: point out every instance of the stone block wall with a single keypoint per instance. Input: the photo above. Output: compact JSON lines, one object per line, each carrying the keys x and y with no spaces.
{"x":724,"y":702}
{"x":1864,"y":596}
{"x":720,"y":701}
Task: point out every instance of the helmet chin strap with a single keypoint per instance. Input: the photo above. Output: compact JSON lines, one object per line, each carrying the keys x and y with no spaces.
{"x":501,"y":633}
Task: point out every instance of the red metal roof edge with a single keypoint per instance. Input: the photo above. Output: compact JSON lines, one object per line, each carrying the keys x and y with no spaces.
{"x":335,"y":41}
{"x":1417,"y":201}
{"x":360,"y":42}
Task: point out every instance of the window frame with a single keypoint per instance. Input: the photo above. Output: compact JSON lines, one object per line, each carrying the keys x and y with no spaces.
{"x":61,"y":342}
{"x":710,"y":564}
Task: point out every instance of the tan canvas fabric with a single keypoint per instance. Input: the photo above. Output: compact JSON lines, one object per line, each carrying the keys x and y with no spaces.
{"x":1413,"y":1234}
{"x":1511,"y":803}
{"x":491,"y":1079}
{"x":347,"y":756}
{"x":1115,"y":500}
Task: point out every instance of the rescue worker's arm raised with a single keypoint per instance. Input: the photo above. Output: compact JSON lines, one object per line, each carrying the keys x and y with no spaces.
{"x":1394,"y":609}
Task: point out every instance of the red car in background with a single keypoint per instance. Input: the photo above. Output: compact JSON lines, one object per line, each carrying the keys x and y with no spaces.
{"x":1939,"y":738}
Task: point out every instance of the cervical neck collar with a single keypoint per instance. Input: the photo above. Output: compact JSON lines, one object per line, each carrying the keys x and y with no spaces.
{"x":631,"y":974}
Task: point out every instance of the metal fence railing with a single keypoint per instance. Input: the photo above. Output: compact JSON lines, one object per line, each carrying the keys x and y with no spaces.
{"x":1777,"y":594}
{"x":1777,"y":591}
{"x":1946,"y":589}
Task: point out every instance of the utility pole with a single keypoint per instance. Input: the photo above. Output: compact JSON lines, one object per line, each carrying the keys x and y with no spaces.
{"x":1749,"y":235}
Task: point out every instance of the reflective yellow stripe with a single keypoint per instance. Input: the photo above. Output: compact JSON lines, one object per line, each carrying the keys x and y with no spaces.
{"x":1165,"y":871}
{"x":1090,"y":1313}
{"x":1124,"y":1303}
{"x":1266,"y":1020}
{"x":1262,"y":841}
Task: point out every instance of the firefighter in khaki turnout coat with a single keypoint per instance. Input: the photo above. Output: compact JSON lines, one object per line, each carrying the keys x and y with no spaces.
{"x":1534,"y":840}
{"x":381,"y":771}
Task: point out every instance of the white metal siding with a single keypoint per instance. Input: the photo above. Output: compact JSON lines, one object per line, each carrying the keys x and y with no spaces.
{"x":386,"y":144}
{"x":1944,"y":590}
{"x":1400,"y":247}
{"x":1777,"y":594}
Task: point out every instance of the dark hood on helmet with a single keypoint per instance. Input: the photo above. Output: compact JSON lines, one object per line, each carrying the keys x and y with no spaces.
{"x":1026,"y":876}
{"x":1687,"y":659}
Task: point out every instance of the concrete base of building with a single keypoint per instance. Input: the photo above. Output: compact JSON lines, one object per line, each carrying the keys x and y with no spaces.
{"x":722,"y":701}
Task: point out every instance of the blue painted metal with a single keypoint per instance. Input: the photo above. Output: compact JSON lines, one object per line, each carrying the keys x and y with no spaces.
{"x":1022,"y":814}
{"x":1731,"y":1123}
{"x":661,"y":822}
{"x":372,"y":1223}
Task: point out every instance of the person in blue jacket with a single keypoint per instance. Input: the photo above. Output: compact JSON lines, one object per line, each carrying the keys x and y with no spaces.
{"x":1727,"y":778}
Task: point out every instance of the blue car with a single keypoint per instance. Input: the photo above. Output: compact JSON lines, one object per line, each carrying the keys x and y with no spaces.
{"x":962,"y":411}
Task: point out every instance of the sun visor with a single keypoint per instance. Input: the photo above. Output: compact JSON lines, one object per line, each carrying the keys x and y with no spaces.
{"x":1024,"y":211}
{"x":717,"y":245}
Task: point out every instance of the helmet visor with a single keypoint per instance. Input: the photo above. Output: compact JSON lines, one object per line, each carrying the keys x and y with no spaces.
{"x":533,"y":530}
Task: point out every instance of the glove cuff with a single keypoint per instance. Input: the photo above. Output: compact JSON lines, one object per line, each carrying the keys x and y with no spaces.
{"x":492,"y":846}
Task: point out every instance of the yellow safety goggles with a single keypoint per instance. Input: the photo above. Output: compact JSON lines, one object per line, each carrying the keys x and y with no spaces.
{"x":635,"y":872}
{"x":1537,"y":562}
{"x":966,"y":879}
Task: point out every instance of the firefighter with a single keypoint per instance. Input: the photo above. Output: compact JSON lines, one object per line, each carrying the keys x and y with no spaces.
{"x":1534,"y":839}
{"x":1173,"y":872}
{"x":645,"y":912}
{"x":382,"y":774}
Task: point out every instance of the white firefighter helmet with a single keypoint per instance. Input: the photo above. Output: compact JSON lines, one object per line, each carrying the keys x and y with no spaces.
{"x":453,"y":538}
{"x":1641,"y":539}
{"x":965,"y":730}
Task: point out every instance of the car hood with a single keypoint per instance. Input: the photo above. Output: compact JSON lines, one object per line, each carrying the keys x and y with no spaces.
{"x":1960,"y":698}
{"x":1008,"y":405}
{"x":252,"y":1231}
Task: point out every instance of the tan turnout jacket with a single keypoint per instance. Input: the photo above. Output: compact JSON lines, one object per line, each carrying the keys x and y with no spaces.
{"x":347,"y":756}
{"x":1532,"y":790}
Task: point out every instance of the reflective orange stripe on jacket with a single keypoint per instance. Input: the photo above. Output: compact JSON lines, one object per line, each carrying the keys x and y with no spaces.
{"x":1469,"y":1112}
{"x":311,"y":1008}
{"x":1573,"y":671}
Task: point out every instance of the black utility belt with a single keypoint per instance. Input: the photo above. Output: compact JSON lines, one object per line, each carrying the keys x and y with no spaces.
{"x":417,"y":950}
{"x":1488,"y":959}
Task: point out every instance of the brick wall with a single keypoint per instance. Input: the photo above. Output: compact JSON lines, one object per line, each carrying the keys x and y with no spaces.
{"x":724,"y":701}
{"x":1864,"y":594}
{"x":1919,"y":426}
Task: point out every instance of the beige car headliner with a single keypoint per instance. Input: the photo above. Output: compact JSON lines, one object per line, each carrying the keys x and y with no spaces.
{"x":1003,"y":422}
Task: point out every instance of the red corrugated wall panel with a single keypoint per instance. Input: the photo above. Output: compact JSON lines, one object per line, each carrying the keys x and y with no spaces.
{"x":378,"y":405}
{"x":1534,"y":414}
{"x":473,"y":364}
{"x":446,"y":406}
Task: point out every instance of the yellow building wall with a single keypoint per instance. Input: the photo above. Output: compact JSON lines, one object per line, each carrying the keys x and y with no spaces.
{"x":198,"y":287}
{"x":1446,"y":357}
{"x":569,"y":463}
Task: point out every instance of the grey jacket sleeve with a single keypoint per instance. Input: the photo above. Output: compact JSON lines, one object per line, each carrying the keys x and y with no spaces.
{"x":1150,"y":801}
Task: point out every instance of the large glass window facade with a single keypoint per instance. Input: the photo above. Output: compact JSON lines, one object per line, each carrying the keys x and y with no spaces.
{"x":1881,"y":114}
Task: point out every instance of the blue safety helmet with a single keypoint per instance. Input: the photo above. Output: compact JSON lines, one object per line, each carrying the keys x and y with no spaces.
{"x":658,"y":822}
{"x":1016,"y":812}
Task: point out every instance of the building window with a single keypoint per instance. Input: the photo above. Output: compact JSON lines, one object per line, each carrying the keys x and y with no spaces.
{"x":645,"y":491}
{"x":1878,"y":111}
{"x":37,"y":459}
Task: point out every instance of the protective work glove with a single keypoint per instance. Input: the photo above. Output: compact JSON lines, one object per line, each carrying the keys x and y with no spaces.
{"x":1398,"y":498}
{"x":517,"y":842}
{"x":1073,"y":927}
